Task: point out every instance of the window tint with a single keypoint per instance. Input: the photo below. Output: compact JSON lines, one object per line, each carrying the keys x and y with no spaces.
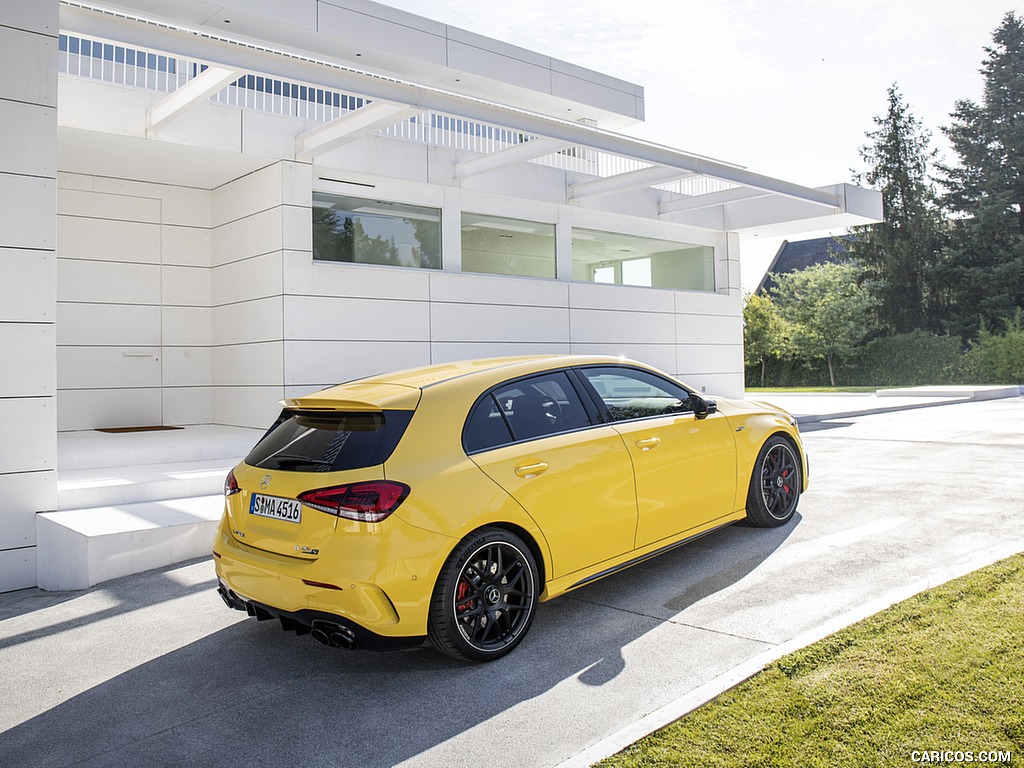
{"x":530,"y":408}
{"x":486,"y":427}
{"x":633,"y":394}
{"x":304,"y":441}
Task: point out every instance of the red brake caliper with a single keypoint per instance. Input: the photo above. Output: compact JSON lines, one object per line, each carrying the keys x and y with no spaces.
{"x":461,"y":593}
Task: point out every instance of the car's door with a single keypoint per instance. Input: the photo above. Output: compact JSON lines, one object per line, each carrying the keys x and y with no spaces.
{"x":685,"y":465}
{"x":537,"y":440}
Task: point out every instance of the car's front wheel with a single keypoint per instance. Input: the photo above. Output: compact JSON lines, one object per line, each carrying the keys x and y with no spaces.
{"x":484,"y":600}
{"x":774,"y":484}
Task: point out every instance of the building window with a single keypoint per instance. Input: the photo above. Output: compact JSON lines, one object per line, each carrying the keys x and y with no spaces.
{"x":610,"y":257}
{"x":362,"y":231}
{"x":498,"y":246}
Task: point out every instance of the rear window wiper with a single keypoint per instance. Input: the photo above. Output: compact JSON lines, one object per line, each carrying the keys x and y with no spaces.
{"x":284,"y":462}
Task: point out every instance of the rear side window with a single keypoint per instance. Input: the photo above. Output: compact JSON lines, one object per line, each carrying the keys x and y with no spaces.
{"x":522,"y":410}
{"x":318,"y":441}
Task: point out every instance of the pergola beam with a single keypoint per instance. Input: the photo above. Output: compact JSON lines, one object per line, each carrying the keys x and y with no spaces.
{"x":365,"y":121}
{"x":623,"y":182}
{"x":195,"y":91}
{"x":700,"y":202}
{"x":520,"y":153}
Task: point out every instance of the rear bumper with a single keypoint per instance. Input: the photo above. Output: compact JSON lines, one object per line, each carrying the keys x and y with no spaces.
{"x":326,"y":628}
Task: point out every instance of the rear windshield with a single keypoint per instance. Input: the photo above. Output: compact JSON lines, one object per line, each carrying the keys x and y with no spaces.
{"x":317,"y":441}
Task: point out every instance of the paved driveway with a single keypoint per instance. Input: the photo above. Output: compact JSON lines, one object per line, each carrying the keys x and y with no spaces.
{"x":154,"y":670}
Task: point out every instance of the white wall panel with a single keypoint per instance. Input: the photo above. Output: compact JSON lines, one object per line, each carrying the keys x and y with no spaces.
{"x":23,"y":495}
{"x":254,"y":192}
{"x":27,"y":292}
{"x":97,"y":106}
{"x":620,"y":297}
{"x":612,"y":327}
{"x":98,"y":205}
{"x":108,"y":240}
{"x":451,"y":351}
{"x":327,"y":319}
{"x":28,"y":366}
{"x":249,"y":364}
{"x":709,"y":359}
{"x":187,"y":367}
{"x":661,"y":356}
{"x":495,"y":289}
{"x":35,"y":17}
{"x":247,"y":406}
{"x":709,"y":329}
{"x":18,"y":568}
{"x":323,"y":278}
{"x":187,"y":246}
{"x":96,"y":408}
{"x":316,"y":364}
{"x":186,"y":286}
{"x":18,"y":121}
{"x":252,"y":235}
{"x":108,"y":367}
{"x":187,"y":326}
{"x":248,"y":322}
{"x":187,"y":405}
{"x":26,"y":216}
{"x":107,"y":282}
{"x":24,"y":79}
{"x":498,"y":323}
{"x":30,"y":435}
{"x":254,"y":278}
{"x":108,"y":324}
{"x":700,"y":303}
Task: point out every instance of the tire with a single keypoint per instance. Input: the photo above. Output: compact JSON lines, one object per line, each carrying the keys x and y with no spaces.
{"x":775,"y":484}
{"x":485,"y":597}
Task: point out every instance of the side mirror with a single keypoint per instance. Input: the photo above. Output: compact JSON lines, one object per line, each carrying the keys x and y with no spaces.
{"x":703,"y":406}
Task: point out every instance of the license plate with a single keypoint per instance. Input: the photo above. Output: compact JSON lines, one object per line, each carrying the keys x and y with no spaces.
{"x":289,"y":510}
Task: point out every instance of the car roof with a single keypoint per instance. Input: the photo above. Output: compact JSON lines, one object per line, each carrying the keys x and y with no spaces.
{"x":401,"y":389}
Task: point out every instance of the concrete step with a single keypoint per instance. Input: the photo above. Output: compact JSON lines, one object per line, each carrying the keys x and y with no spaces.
{"x":79,"y":489}
{"x":92,"y":449}
{"x":81,"y":547}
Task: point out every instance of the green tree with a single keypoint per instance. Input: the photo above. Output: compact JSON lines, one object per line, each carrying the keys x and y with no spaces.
{"x":899,"y":255}
{"x":984,"y":270}
{"x":828,"y":308}
{"x":765,"y":333}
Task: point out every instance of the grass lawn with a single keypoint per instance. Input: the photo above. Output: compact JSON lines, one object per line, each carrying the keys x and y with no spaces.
{"x":940,"y":672}
{"x":812,"y":389}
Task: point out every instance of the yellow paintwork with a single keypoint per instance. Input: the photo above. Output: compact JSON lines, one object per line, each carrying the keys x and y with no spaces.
{"x":574,"y":496}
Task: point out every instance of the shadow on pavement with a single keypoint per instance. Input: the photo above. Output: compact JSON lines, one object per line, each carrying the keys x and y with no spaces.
{"x":251,"y":694}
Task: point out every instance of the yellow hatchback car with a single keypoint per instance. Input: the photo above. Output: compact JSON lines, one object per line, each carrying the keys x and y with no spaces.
{"x":444,"y":502}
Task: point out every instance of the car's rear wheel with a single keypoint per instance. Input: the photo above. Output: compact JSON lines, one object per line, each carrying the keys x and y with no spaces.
{"x":485,"y":596}
{"x":774,"y":484}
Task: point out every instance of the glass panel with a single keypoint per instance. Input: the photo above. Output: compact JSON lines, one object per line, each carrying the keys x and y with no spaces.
{"x":363,"y":231}
{"x":633,"y":394}
{"x":543,"y":405}
{"x":485,"y":427}
{"x":329,"y":442}
{"x":610,"y":257}
{"x":498,"y":246}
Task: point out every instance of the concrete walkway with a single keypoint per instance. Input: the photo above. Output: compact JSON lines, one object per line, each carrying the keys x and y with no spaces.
{"x":153,"y":670}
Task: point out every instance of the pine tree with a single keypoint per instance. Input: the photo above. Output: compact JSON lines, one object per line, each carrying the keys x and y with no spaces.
{"x":985,"y":191}
{"x":899,"y":255}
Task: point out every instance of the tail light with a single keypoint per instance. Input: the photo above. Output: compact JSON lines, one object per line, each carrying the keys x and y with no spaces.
{"x":367,"y":502}
{"x":230,"y":484}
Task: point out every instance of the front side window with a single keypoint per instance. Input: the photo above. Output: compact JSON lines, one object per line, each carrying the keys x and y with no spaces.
{"x":524,"y":410}
{"x":628,"y":393}
{"x":611,"y":257}
{"x":499,"y":246}
{"x":363,"y":231}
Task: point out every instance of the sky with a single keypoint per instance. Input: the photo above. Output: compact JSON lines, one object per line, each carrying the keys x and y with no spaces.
{"x":787,"y":88}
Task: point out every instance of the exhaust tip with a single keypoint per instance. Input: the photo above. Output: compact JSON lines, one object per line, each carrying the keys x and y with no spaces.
{"x":320,"y":636}
{"x":329,"y":633}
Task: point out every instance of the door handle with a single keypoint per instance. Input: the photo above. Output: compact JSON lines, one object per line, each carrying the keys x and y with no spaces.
{"x":526,"y":471}
{"x":647,"y":443}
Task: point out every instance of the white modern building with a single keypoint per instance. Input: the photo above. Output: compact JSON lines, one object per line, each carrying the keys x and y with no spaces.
{"x":209,"y":206}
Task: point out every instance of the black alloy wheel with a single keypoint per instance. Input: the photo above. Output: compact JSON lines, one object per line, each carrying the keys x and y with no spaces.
{"x":775,"y":484}
{"x":485,"y":597}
